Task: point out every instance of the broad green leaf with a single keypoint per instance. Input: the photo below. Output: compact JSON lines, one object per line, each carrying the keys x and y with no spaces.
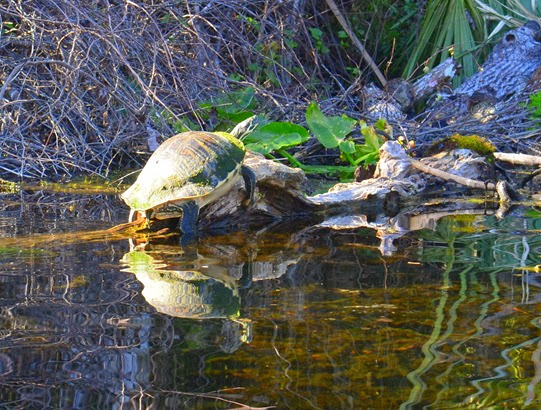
{"x":329,"y":131}
{"x":234,"y":106}
{"x":275,"y":136}
{"x":235,"y":117}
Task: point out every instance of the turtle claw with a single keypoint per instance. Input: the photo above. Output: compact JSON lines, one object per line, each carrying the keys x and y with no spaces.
{"x":188,"y":221}
{"x":187,"y":239}
{"x":249,"y":183}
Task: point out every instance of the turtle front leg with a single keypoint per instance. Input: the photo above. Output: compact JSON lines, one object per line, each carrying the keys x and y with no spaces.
{"x":188,"y":221}
{"x":249,"y":182}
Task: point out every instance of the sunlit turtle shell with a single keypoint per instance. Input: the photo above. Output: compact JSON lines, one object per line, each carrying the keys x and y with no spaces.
{"x":192,"y":167}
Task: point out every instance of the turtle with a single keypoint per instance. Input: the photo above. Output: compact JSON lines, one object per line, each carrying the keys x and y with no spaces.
{"x":187,"y":172}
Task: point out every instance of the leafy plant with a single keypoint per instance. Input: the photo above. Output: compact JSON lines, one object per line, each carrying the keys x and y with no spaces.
{"x":446,"y":31}
{"x":511,"y":13}
{"x":387,"y":28}
{"x":534,"y":106}
{"x":165,"y":117}
{"x":459,"y":28}
{"x":368,"y":153}
{"x":317,"y":35}
{"x":331,"y":132}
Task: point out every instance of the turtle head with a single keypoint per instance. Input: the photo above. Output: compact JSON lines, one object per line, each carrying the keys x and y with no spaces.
{"x":243,"y":128}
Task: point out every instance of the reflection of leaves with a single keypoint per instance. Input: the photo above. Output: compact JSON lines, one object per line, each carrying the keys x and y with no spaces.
{"x":23,"y":253}
{"x":533,"y":213}
{"x":479,"y":240}
{"x":445,"y":231}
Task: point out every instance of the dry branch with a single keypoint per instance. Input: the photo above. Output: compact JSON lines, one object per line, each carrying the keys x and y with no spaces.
{"x":347,"y":28}
{"x":447,"y":176}
{"x":82,"y":82}
{"x":518,"y":159}
{"x":504,"y":191}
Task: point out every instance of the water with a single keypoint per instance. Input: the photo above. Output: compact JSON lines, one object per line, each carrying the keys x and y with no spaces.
{"x":294,"y":320}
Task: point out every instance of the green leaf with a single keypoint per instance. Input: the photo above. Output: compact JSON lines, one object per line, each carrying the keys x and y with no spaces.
{"x":372,"y":141}
{"x":235,"y":117}
{"x":381,"y":124}
{"x":316,"y":33}
{"x":179,"y":127}
{"x":233,"y":106}
{"x":329,"y":131}
{"x":347,"y":147}
{"x":253,"y":67}
{"x":275,"y":136}
{"x":290,"y":43}
{"x":369,"y":158}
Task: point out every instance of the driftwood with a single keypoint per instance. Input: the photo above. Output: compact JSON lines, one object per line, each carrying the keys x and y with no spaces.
{"x":490,"y":103}
{"x":518,"y":159}
{"x":393,"y":203}
{"x":438,"y":78}
{"x":398,"y":95}
{"x":509,"y":67}
{"x":280,"y":197}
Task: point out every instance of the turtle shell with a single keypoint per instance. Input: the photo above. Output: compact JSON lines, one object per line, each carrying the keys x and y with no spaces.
{"x":190,"y":166}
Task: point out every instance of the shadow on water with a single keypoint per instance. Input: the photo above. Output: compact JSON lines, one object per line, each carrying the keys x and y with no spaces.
{"x":303,"y":319}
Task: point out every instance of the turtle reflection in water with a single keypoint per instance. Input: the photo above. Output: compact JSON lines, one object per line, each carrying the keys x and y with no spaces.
{"x":191,"y":294}
{"x":187,"y":172}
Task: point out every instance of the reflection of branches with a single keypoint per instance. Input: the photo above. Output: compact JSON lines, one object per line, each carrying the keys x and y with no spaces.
{"x":501,"y":373}
{"x":536,"y":359}
{"x":431,"y":356}
{"x":450,"y":329}
{"x":503,"y":254}
{"x":288,"y":367}
{"x":217,"y":396}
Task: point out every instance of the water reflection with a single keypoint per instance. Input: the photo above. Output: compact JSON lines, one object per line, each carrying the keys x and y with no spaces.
{"x":293,"y":319}
{"x":191,"y":287}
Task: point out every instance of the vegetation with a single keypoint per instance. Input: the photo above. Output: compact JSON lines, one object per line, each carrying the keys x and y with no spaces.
{"x":535,"y":106}
{"x":275,"y":138}
{"x":462,"y":29}
{"x":86,"y":96}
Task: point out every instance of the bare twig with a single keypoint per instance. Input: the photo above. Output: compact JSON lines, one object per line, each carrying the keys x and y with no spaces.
{"x":347,"y":28}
